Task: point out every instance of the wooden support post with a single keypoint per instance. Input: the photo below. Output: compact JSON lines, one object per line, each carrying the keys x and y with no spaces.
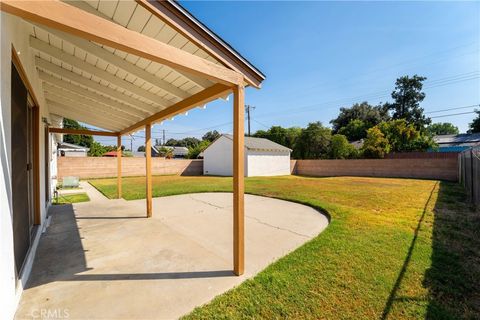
{"x":119,"y":166}
{"x":238,"y":181}
{"x":148,"y":167}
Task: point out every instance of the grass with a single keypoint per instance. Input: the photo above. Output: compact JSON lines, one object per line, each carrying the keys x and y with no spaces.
{"x":395,"y":249}
{"x":71,"y":198}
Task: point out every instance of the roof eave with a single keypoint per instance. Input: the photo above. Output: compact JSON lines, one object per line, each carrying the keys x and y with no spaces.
{"x":189,"y":23}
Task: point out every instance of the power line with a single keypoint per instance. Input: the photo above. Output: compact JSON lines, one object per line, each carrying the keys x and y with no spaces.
{"x":261,"y":123}
{"x":401,"y":63}
{"x":449,"y":109}
{"x":380,"y":94}
{"x":453,"y":114}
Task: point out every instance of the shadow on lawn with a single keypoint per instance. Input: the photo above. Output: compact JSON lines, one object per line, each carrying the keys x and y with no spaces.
{"x":453,"y":279}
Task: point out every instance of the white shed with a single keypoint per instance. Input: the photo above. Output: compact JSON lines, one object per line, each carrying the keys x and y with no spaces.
{"x":262,"y":157}
{"x":71,"y":150}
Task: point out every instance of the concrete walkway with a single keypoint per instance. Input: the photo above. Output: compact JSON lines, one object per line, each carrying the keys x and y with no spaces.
{"x":103,"y":259}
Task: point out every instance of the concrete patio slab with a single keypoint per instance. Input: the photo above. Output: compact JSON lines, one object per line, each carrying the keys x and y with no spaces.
{"x":104,"y":259}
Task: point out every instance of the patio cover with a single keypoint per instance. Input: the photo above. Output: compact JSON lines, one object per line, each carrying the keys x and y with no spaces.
{"x":124,"y":65}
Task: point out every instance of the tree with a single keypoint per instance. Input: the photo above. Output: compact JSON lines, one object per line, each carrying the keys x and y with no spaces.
{"x":189,"y":142}
{"x":475,"y":125}
{"x":407,"y":97}
{"x":165,"y":152}
{"x":442,"y":128}
{"x":340,"y":148}
{"x":353,"y":122}
{"x":314,"y":142}
{"x":194,"y":152}
{"x":375,"y":144}
{"x":285,"y":136}
{"x":171,"y":142}
{"x":141,"y":149}
{"x":260,"y":134}
{"x":404,"y":137}
{"x":355,"y":130}
{"x":81,"y":140}
{"x":97,"y":149}
{"x":211,"y":136}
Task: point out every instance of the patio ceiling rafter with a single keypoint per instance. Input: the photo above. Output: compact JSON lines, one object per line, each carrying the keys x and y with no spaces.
{"x":83,"y":106}
{"x":82,"y":131}
{"x":58,"y":110}
{"x":67,"y":88}
{"x":199,"y":82}
{"x":120,"y":63}
{"x":67,"y":18}
{"x":145,"y":108}
{"x":102,"y":74}
{"x":74,"y":111}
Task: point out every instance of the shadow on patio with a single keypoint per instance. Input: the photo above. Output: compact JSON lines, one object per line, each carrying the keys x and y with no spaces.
{"x":103,"y":259}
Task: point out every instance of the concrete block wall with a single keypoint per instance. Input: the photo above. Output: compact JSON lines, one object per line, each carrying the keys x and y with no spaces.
{"x":433,"y":168}
{"x":104,"y":167}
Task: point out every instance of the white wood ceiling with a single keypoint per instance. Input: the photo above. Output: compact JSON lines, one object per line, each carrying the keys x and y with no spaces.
{"x":105,"y":87}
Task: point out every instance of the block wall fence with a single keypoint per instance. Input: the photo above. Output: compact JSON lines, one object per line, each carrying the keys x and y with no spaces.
{"x":420,"y":168}
{"x":104,"y":167}
{"x":426,"y":168}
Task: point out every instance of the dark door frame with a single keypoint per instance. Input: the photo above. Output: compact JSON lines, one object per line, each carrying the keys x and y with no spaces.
{"x":36,"y":136}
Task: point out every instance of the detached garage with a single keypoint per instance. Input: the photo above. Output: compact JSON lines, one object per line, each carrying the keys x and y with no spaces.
{"x":262,"y":157}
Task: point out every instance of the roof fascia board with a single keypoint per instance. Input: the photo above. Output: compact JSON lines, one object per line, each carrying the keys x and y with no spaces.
{"x":184,"y":22}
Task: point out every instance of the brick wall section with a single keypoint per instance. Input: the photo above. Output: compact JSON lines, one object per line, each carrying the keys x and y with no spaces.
{"x":434,"y":168}
{"x":103,"y":167}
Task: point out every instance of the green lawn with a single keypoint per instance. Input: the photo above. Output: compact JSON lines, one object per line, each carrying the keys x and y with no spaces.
{"x":395,"y":249}
{"x":71,"y":198}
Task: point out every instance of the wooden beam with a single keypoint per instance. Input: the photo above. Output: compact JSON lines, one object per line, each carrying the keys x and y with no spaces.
{"x":83,"y":132}
{"x":114,"y":105}
{"x":207,"y":95}
{"x":121,"y":63}
{"x":148,"y":167}
{"x":238,"y":181}
{"x":66,"y":18}
{"x":93,"y":70}
{"x":119,"y":166}
{"x":64,"y":73}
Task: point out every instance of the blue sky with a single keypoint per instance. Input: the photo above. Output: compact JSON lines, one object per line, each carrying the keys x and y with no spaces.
{"x":320,"y":56}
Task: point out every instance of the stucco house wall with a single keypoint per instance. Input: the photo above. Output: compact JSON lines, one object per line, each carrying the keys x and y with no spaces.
{"x":15,"y":33}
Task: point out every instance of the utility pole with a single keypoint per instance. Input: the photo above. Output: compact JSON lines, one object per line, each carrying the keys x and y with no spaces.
{"x":247,"y":109}
{"x":163,"y":136}
{"x":131,"y":143}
